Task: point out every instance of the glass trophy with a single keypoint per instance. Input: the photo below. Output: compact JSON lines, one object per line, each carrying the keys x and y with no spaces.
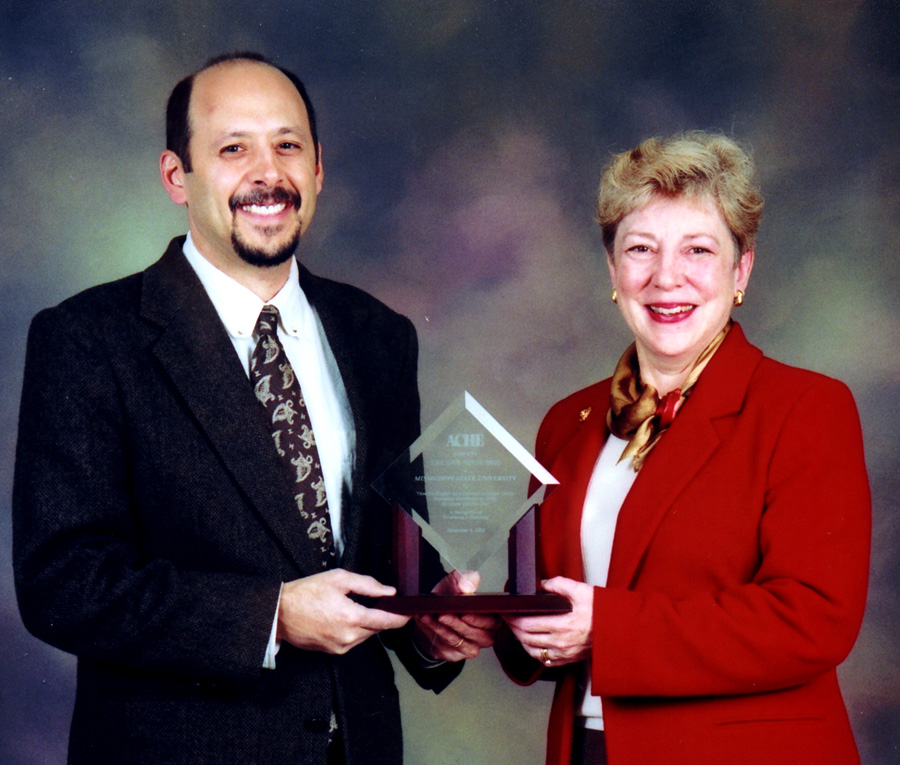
{"x":465,"y":487}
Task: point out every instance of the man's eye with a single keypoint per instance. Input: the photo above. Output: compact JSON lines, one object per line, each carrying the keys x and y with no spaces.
{"x":232,"y":149}
{"x":288,"y":146}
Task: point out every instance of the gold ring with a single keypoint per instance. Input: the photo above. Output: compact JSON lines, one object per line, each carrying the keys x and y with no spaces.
{"x":461,"y":641}
{"x":545,"y":658}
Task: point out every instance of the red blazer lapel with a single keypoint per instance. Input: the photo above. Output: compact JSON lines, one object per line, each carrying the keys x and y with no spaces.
{"x":681,"y":453}
{"x":683,"y":450}
{"x":560,"y":515}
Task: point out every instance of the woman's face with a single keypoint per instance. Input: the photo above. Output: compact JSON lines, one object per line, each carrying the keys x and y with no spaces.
{"x":674,"y":269}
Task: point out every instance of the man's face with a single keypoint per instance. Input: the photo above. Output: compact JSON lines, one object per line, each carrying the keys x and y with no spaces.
{"x":252,"y":191}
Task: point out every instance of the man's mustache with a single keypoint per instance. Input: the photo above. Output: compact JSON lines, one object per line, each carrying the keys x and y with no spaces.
{"x":264,"y":197}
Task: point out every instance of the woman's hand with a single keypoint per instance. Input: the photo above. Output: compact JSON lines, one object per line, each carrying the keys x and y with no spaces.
{"x":559,"y":638}
{"x":454,"y":637}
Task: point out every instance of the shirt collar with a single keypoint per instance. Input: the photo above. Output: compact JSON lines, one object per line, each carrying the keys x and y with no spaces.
{"x":238,"y":307}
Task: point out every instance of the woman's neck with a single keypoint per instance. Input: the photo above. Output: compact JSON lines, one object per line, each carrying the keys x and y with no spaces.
{"x":666,"y":374}
{"x":663,"y":380}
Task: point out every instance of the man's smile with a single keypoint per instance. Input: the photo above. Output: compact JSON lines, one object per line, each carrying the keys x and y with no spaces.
{"x":264,"y":210}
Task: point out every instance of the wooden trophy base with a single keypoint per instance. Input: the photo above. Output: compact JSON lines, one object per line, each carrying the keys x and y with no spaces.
{"x":477,"y":603}
{"x":523,"y":596}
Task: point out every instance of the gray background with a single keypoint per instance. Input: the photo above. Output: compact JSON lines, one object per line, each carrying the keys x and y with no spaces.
{"x":462,"y":145}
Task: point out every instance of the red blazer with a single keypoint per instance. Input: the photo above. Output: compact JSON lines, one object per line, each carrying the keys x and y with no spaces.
{"x":738,"y":574}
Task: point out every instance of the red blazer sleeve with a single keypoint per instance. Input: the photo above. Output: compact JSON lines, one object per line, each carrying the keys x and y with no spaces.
{"x":567,"y":419}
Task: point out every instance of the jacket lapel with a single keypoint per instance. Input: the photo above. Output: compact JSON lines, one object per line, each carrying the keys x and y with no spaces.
{"x":684,"y":449}
{"x":338,"y":322}
{"x":199,"y":359}
{"x":560,"y":517}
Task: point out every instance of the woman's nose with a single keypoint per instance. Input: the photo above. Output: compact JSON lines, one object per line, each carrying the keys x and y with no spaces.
{"x":669,"y":271}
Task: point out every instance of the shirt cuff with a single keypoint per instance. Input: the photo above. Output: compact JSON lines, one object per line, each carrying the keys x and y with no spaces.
{"x":274,"y":642}
{"x":428,"y":662}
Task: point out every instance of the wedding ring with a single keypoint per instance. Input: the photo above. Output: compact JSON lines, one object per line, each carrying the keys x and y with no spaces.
{"x":461,"y":641}
{"x":545,"y":657}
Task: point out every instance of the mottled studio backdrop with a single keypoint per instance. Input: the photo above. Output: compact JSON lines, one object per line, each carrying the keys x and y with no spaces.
{"x":462,"y":145}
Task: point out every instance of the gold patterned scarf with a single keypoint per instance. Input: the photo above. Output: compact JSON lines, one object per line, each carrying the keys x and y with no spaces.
{"x":637,"y":414}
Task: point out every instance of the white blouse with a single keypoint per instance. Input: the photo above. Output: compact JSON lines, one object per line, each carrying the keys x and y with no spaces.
{"x":609,"y":485}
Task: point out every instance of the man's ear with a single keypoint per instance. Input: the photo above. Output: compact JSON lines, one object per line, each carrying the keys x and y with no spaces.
{"x":320,"y":171}
{"x":171,"y":171}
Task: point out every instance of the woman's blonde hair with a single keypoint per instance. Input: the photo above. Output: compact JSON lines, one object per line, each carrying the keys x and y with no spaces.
{"x":693,"y":164}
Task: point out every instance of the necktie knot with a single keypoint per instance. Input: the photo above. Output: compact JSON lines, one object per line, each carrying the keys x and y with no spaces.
{"x":267,"y":322}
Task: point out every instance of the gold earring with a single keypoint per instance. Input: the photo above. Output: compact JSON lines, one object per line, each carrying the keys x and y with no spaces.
{"x":739,"y":297}
{"x":615,"y":296}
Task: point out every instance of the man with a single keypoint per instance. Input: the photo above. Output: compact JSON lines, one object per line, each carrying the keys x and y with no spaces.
{"x":201,"y":540}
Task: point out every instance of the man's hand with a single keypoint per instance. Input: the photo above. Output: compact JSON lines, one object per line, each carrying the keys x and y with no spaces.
{"x":316,"y":613}
{"x":454,"y":638}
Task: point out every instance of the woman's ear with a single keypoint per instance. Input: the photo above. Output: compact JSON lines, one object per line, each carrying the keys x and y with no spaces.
{"x":744,"y":267}
{"x":611,"y":263}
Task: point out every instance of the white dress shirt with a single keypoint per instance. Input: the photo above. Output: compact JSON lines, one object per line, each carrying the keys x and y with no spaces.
{"x":609,"y":485}
{"x":303,"y":337}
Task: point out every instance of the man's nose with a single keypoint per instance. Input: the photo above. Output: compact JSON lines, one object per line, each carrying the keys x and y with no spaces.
{"x":266,"y":170}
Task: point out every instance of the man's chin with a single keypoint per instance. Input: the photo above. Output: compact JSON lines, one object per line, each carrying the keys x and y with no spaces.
{"x":264,"y":258}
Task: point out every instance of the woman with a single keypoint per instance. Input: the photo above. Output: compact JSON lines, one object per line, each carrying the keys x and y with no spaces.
{"x":711,"y":528}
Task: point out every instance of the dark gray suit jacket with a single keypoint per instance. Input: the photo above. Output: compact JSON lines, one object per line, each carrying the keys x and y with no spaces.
{"x":153,"y":526}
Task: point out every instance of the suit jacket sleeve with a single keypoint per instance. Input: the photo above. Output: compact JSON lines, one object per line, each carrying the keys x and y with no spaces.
{"x":83,"y":581}
{"x":401,"y":428}
{"x":798,"y":615}
{"x":377,"y":351}
{"x":427,"y":674}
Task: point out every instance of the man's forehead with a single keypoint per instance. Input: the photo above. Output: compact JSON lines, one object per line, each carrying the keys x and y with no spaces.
{"x":241,"y":88}
{"x":235,"y":68}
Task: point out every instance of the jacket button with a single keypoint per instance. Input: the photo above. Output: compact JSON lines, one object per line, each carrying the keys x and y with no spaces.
{"x":316,"y":724}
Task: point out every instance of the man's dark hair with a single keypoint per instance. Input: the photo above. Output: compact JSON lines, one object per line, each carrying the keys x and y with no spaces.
{"x":178,"y":126}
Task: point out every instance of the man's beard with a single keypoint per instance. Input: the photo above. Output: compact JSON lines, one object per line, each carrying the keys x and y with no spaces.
{"x":257,"y":256}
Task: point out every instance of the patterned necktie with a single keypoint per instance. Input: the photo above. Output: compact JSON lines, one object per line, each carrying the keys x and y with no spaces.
{"x":278,"y":390}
